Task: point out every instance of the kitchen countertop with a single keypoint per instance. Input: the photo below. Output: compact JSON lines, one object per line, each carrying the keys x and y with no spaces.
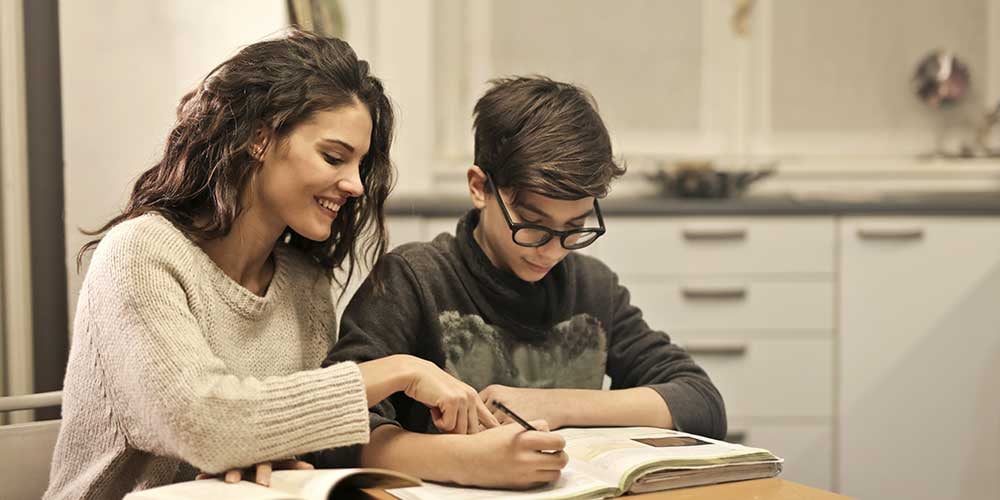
{"x":900,"y":203}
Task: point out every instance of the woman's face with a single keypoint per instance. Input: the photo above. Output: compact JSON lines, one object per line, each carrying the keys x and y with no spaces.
{"x":305,"y":179}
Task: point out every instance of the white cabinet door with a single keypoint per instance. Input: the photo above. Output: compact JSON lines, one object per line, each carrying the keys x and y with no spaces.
{"x":806,"y":446}
{"x":920,"y":358}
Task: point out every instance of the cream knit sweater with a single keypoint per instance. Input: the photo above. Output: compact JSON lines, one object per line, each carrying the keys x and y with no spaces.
{"x":174,"y":363}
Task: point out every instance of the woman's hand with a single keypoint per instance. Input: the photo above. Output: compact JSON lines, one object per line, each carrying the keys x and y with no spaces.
{"x":511,"y":457}
{"x":455,"y":406}
{"x":261,"y":473}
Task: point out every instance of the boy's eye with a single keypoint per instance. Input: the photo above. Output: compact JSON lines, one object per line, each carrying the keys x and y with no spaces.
{"x":529,"y":220}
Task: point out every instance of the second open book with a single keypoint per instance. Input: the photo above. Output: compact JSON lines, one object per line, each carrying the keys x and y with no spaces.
{"x":612,"y":461}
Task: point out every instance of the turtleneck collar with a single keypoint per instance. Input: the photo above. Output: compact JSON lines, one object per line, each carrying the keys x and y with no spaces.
{"x":527,"y":307}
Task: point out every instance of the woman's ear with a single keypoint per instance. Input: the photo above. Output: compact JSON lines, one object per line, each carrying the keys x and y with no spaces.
{"x":477,"y":186}
{"x":262,"y":139}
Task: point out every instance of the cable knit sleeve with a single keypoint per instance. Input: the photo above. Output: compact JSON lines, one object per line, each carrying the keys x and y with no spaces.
{"x":171,"y":395}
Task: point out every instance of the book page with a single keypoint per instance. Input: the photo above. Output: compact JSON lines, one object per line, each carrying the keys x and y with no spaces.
{"x":285,"y":485}
{"x":628,"y":452}
{"x":211,"y":489}
{"x":573,"y":483}
{"x":319,"y":484}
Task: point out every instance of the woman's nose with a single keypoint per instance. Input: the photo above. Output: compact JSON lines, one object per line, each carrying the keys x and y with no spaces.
{"x":351,"y":184}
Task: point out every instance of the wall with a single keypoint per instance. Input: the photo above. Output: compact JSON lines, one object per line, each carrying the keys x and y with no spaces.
{"x":125,"y":65}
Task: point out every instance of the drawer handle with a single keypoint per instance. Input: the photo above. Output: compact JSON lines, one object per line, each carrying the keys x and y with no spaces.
{"x":714,"y":233}
{"x":898,"y":233}
{"x":714,"y":292}
{"x":716,"y":348}
{"x":738,"y":437}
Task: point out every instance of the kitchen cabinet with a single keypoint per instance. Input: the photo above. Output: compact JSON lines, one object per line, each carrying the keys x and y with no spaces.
{"x":919,"y":357}
{"x":752,"y":300}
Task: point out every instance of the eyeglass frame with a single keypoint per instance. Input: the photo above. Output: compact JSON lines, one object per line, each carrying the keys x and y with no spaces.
{"x":550,"y":233}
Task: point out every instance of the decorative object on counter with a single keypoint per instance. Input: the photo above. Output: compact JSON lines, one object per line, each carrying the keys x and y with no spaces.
{"x":323,"y":17}
{"x":742,"y":10}
{"x":941,"y":79}
{"x":701,"y":179}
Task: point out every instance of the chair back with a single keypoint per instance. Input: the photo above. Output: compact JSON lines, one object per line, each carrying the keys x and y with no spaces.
{"x":26,"y":449}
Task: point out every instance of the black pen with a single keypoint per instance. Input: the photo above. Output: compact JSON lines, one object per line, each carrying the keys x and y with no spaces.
{"x":500,"y":406}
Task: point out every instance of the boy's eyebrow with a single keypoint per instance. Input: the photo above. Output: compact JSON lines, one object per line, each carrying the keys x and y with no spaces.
{"x":541,"y":213}
{"x":347,"y":146}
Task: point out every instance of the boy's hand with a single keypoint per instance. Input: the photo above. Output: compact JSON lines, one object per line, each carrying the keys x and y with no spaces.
{"x":511,"y":457}
{"x":528,"y":403}
{"x":261,"y":473}
{"x":455,"y":406}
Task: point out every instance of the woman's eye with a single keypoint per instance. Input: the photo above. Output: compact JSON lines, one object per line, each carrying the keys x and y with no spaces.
{"x":332,"y":160}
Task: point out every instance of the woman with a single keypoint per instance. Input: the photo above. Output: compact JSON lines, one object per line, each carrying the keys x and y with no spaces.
{"x":209,"y":299}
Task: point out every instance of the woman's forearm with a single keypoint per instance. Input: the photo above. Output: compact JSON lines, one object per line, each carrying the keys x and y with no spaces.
{"x":385,"y":376}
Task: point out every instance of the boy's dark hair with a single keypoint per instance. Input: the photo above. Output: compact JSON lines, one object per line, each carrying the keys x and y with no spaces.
{"x":538,"y":135}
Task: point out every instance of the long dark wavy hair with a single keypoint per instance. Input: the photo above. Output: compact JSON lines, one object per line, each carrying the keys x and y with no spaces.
{"x":270,"y":86}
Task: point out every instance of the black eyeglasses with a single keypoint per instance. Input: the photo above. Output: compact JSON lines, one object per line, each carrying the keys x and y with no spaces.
{"x":534,"y":235}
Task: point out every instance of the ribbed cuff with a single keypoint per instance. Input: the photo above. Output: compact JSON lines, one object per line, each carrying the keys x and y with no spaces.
{"x":314,"y":410}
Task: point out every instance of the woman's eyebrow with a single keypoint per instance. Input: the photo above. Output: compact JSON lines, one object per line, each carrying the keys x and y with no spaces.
{"x":347,"y":146}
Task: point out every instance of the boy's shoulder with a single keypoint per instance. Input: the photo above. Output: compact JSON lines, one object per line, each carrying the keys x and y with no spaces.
{"x":419,"y":254}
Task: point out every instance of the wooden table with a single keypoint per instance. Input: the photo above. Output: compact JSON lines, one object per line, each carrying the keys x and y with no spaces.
{"x":758,"y":489}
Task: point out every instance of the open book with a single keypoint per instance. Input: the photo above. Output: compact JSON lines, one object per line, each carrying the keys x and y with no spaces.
{"x":611,"y":461}
{"x":285,"y":485}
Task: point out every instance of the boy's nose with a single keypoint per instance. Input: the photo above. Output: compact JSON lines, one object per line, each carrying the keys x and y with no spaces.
{"x":553,"y":251}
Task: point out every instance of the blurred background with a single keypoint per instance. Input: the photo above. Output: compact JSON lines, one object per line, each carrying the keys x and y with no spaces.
{"x":812,"y":205}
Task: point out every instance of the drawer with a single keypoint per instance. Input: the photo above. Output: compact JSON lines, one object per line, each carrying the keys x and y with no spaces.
{"x":715,"y":245}
{"x":728,"y":304}
{"x":806,"y":447}
{"x":763,"y":377}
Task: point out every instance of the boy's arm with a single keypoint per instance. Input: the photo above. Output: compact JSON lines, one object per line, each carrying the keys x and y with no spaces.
{"x":640,"y":357}
{"x":376,"y":323}
{"x":636,"y":406}
{"x":654,"y":383}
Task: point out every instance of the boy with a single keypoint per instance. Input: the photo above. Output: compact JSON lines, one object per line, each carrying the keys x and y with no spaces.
{"x":507,"y":306}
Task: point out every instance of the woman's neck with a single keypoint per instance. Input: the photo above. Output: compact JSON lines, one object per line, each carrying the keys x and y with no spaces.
{"x":245,"y":253}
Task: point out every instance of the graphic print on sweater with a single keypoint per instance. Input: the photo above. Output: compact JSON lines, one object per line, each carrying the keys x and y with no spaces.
{"x":572,"y":354}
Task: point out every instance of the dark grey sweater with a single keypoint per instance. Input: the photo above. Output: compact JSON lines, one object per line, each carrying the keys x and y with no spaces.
{"x":445,"y":302}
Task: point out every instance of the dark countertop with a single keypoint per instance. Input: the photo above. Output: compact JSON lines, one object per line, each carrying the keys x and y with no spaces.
{"x":909,"y":203}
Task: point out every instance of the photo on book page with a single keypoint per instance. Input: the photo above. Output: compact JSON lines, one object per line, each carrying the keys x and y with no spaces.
{"x":668,"y":441}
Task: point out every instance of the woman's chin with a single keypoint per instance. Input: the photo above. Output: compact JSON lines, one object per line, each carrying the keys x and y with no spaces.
{"x":317,"y":234}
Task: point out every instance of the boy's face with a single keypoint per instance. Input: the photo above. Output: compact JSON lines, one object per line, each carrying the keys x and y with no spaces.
{"x":494,"y":234}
